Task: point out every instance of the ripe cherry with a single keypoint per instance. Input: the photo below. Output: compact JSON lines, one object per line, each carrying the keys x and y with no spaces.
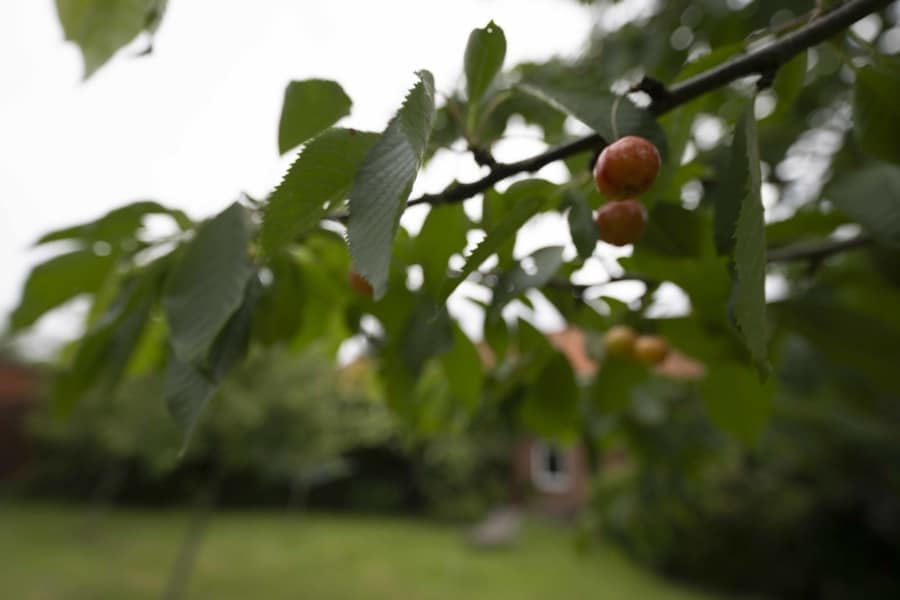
{"x":619,"y":340}
{"x":626,"y":168}
{"x":621,"y":223}
{"x":651,"y":349}
{"x":359,"y":284}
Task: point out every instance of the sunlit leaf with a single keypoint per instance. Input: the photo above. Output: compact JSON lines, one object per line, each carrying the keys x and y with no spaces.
{"x":118,"y":227}
{"x":101,"y":28}
{"x":58,"y":280}
{"x":310,"y":107}
{"x":484,"y":56}
{"x":317,"y":180}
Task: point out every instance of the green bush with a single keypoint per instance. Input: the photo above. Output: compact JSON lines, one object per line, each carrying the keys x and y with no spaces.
{"x":286,"y":427}
{"x":281,"y":420}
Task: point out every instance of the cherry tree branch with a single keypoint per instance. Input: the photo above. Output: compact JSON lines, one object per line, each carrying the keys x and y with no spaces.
{"x":763,"y":61}
{"x":819,"y":251}
{"x":461,"y":191}
{"x":768,"y":59}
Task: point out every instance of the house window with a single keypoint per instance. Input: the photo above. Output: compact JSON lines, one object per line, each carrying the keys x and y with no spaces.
{"x":551,"y":467}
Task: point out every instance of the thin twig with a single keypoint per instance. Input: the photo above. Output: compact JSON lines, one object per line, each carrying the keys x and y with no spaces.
{"x":461,"y":191}
{"x":817,"y":251}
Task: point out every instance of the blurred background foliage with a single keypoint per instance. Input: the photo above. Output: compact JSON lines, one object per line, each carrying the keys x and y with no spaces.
{"x":788,"y":489}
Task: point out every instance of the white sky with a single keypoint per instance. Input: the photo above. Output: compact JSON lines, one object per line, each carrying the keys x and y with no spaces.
{"x":195,"y":123}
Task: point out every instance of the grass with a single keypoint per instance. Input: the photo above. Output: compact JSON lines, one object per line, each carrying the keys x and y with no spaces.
{"x":47,"y":554}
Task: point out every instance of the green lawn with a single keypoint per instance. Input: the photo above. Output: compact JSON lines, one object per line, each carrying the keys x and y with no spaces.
{"x":47,"y":554}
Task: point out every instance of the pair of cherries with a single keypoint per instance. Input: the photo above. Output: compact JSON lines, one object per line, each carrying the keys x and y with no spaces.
{"x":623,"y":171}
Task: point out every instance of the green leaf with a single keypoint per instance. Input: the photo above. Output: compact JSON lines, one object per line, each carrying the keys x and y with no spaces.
{"x":733,"y":183}
{"x":310,"y":107}
{"x":509,"y":102}
{"x":105,"y":351}
{"x":704,"y":279}
{"x":740,"y":232}
{"x":279,"y":313}
{"x":675,"y":231}
{"x":318,"y":179}
{"x":505,"y":229}
{"x":187,"y":387}
{"x":595,"y":109}
{"x":101,"y":27}
{"x":737,"y":401}
{"x":582,"y":226}
{"x":117,"y":227}
{"x":186,"y":390}
{"x":231,"y":345}
{"x":462,"y":370}
{"x":534,"y":348}
{"x":789,"y":81}
{"x":714,"y":58}
{"x":149,"y":354}
{"x":58,"y":280}
{"x":544,"y":264}
{"x":485,"y":52}
{"x":871,"y":197}
{"x":611,"y":390}
{"x":495,"y":206}
{"x":427,"y":333}
{"x":207,"y":283}
{"x":875,"y":117}
{"x":442,"y":235}
{"x":748,"y":293}
{"x":847,"y":337}
{"x":803,"y":225}
{"x":550,"y":409}
{"x":496,"y":335}
{"x":698,"y":336}
{"x":383,"y":182}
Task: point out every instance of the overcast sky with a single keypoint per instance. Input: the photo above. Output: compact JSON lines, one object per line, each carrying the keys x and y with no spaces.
{"x":195,"y":123}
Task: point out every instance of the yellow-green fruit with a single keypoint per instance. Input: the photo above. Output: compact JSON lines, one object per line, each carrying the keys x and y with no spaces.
{"x":619,"y":340}
{"x":651,"y":349}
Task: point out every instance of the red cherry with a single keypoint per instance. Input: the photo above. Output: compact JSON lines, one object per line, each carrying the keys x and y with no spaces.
{"x":621,"y":223}
{"x":626,"y":168}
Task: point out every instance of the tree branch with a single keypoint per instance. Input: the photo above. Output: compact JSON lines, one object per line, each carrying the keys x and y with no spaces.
{"x":769,"y":58}
{"x":818,"y":251}
{"x":461,"y":191}
{"x":765,"y":60}
{"x":560,"y":283}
